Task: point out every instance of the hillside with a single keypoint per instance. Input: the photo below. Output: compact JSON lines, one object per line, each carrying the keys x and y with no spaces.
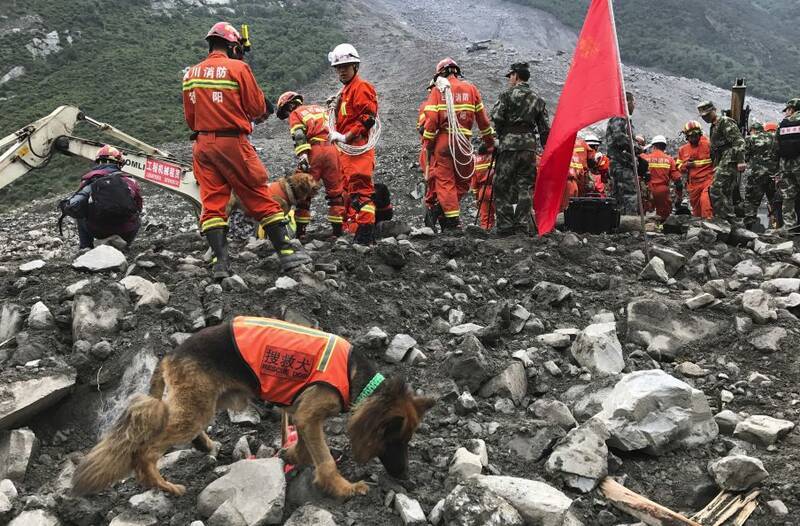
{"x":715,"y":41}
{"x":121,"y":61}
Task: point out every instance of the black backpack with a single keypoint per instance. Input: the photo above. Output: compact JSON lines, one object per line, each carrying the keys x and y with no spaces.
{"x":112,"y":201}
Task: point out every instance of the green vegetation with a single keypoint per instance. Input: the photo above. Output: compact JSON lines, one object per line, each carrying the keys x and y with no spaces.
{"x":713,"y":40}
{"x":127,"y":60}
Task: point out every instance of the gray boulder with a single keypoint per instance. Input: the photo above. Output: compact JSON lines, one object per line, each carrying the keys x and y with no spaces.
{"x":35,"y":518}
{"x":655,"y":270}
{"x":598,"y":349}
{"x":399,"y":347}
{"x":511,"y":383}
{"x":737,"y":472}
{"x":537,"y":503}
{"x":581,"y":458}
{"x":551,"y":293}
{"x":756,"y":303}
{"x":310,"y":515}
{"x":468,"y":366}
{"x":673,"y":260}
{"x":134,"y":519}
{"x":762,"y":429}
{"x":553,"y":411}
{"x":147,"y":292}
{"x":474,"y":505}
{"x":409,"y":510}
{"x":98,"y":315}
{"x":654,"y":412}
{"x":10,"y":321}
{"x":16,"y":449}
{"x":102,"y":258}
{"x":40,"y":317}
{"x":256,"y":489}
{"x":768,"y":339}
{"x":21,"y":399}
{"x":665,"y":326}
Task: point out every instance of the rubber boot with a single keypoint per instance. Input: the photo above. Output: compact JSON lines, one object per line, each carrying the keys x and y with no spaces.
{"x":218,"y":241}
{"x":288,"y":256}
{"x":300,"y":233}
{"x":336,"y":229}
{"x":432,"y":216}
{"x":365,"y":235}
{"x":450,"y":224}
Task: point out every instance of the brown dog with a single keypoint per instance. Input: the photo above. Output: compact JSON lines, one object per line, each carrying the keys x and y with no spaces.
{"x":222,"y":366}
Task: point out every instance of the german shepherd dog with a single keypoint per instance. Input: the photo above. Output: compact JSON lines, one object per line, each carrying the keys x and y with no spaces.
{"x":206,"y":374}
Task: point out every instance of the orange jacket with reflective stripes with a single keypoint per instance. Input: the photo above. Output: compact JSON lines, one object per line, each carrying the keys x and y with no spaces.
{"x":357,"y":104}
{"x":702,"y":168}
{"x":579,"y":164}
{"x":312,"y":120}
{"x":287,"y":358}
{"x":469,"y":109}
{"x":221,"y":93}
{"x":662,"y":168}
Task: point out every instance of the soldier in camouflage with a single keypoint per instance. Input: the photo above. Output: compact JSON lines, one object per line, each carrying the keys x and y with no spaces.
{"x":788,"y":141}
{"x":761,"y":152}
{"x":623,"y":166}
{"x":727,"y":156}
{"x":518,"y":114}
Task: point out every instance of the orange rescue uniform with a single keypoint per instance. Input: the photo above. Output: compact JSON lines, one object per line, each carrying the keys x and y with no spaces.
{"x":357,"y":105}
{"x":220,"y":100}
{"x":449,"y":178}
{"x":482,"y":187}
{"x":323,"y":159}
{"x":700,"y":175}
{"x":662,"y":170}
{"x":577,"y":177}
{"x":286,"y":358}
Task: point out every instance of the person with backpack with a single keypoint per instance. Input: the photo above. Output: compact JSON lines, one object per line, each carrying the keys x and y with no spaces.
{"x":108,"y":202}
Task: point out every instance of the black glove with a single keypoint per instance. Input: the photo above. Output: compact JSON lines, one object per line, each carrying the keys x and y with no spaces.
{"x":679,"y":185}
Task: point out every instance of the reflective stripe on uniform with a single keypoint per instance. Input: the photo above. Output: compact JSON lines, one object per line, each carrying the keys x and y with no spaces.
{"x":335,"y":219}
{"x":302,"y":148}
{"x":368,"y":209}
{"x":452,"y":213}
{"x":274,"y":218}
{"x":484,"y":166}
{"x":310,"y":116}
{"x":428,"y":135}
{"x":326,"y":355}
{"x":264,"y":322}
{"x":297,"y":127}
{"x":665,"y":166}
{"x":487,"y":131}
{"x":576,"y":166}
{"x":210,"y":84}
{"x":214,"y":222}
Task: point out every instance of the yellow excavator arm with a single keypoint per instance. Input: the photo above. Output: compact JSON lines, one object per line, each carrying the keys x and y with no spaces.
{"x":32,"y":147}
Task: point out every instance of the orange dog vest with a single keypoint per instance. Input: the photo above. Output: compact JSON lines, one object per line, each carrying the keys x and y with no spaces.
{"x":287,"y":358}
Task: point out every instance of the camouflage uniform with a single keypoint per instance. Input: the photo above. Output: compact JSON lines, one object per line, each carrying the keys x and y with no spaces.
{"x":727,"y":150}
{"x":623,"y":169}
{"x":789,"y":179}
{"x":762,"y":155}
{"x":518,"y":114}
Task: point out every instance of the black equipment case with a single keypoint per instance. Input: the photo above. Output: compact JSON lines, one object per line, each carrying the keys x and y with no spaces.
{"x":592,"y":215}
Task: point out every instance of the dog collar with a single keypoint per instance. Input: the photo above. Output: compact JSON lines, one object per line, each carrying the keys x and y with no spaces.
{"x":370,"y":387}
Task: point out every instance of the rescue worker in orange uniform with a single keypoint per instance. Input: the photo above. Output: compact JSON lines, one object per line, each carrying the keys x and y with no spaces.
{"x":482,"y":186}
{"x":599,"y":164}
{"x":663,"y":170}
{"x":694,"y":160}
{"x":450,"y":176}
{"x":221,"y":100}
{"x":308,"y":126}
{"x":356,"y":110}
{"x":578,"y":175}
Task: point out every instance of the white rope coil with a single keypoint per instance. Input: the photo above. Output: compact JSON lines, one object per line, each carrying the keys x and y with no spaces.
{"x":349,"y":149}
{"x":460,"y":145}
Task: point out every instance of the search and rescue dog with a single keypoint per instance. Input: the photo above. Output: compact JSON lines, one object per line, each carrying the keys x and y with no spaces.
{"x":314,"y":373}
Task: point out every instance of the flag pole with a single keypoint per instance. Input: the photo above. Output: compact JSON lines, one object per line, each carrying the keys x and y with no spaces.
{"x":630,"y":135}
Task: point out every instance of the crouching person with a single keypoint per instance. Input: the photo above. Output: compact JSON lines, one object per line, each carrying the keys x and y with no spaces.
{"x":108,"y":202}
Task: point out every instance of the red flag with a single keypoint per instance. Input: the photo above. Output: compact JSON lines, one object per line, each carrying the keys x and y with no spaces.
{"x":593,"y":91}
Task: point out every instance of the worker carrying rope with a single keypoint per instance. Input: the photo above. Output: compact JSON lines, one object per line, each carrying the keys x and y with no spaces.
{"x":452,"y":108}
{"x":355,"y":129}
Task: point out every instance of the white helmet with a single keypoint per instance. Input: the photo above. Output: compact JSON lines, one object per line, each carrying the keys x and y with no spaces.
{"x":591,"y":138}
{"x":343,"y":54}
{"x":658,"y":139}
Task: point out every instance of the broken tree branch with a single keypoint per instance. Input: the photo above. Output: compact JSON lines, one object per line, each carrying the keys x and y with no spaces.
{"x":641,"y":507}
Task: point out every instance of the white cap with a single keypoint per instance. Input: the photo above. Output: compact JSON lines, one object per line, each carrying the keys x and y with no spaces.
{"x":658,"y":139}
{"x":343,"y":54}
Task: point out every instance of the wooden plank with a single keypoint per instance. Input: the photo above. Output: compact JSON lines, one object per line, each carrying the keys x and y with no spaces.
{"x":711,"y":507}
{"x":748,"y":510}
{"x":734,"y":507}
{"x":641,"y":507}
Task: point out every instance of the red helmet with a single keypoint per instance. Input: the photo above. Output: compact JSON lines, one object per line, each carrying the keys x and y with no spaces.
{"x":446,"y":63}
{"x":284,"y":100}
{"x":692,"y":127}
{"x":109,"y":154}
{"x":771,"y":126}
{"x":225,"y":31}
